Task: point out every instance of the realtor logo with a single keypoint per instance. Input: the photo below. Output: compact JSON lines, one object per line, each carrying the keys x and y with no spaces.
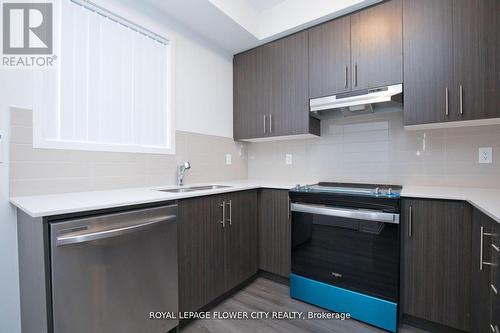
{"x":27,"y":35}
{"x":27,"y":28}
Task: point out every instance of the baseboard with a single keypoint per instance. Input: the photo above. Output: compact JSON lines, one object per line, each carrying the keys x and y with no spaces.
{"x":274,"y":277}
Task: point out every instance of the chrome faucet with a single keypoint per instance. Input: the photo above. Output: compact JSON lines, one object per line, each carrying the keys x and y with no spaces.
{"x":180,"y":172}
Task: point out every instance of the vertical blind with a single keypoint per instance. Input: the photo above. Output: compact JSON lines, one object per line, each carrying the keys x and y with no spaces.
{"x":113,"y":82}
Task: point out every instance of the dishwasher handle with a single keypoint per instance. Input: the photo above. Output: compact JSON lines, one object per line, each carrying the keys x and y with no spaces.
{"x":368,"y":215}
{"x":91,"y":236}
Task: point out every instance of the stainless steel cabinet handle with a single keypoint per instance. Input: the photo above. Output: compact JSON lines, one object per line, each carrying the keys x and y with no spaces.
{"x":91,"y":236}
{"x":270,"y":123}
{"x":223,"y":221}
{"x":230,"y":204}
{"x":461,"y":92}
{"x":492,"y":286}
{"x":265,"y":128}
{"x":481,"y":244}
{"x":356,"y":75}
{"x":346,"y":75}
{"x":447,"y":95}
{"x":495,"y":247}
{"x":410,"y":221}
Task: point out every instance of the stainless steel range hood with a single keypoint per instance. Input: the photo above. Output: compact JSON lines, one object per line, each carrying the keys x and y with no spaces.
{"x":357,"y":102}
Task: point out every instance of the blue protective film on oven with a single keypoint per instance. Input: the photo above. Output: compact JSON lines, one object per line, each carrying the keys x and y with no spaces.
{"x":369,"y":309}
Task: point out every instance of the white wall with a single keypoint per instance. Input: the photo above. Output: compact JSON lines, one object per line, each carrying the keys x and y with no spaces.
{"x":203,"y":104}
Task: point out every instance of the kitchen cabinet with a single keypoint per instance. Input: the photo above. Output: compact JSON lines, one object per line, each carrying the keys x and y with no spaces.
{"x":330,"y":58}
{"x":241,"y":245}
{"x":274,"y":232}
{"x":481,"y":272}
{"x":451,"y":70}
{"x":217,"y":246}
{"x":357,"y":52}
{"x":436,"y":261}
{"x":495,"y":278}
{"x":252,"y":93}
{"x":428,"y":61}
{"x":377,"y":46}
{"x":271,"y":90}
{"x":201,"y":251}
{"x":476,"y":45}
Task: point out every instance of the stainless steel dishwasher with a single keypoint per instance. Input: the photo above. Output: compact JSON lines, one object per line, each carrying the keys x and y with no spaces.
{"x":110,"y":271}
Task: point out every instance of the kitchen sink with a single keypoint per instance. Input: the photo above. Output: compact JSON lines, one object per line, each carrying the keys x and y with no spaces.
{"x":194,"y":188}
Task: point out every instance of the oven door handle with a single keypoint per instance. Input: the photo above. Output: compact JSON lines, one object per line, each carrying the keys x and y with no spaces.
{"x":367,"y":215}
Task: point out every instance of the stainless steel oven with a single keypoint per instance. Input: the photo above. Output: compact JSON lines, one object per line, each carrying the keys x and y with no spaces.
{"x":345,"y":251}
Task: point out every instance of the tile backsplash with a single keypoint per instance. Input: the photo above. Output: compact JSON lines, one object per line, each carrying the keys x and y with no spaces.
{"x":46,"y":171}
{"x":377,"y":149}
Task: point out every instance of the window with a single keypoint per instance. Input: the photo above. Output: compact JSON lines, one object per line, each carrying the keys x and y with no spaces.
{"x":113,"y":86}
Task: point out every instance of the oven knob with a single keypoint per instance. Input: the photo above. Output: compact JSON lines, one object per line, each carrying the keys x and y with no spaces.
{"x":377,"y":191}
{"x":297,"y":187}
{"x":389,"y":191}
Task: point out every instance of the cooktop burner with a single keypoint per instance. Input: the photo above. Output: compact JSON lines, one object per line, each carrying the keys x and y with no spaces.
{"x":368,"y":190}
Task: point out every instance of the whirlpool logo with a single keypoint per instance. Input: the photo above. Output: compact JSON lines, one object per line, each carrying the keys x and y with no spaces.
{"x":27,"y":34}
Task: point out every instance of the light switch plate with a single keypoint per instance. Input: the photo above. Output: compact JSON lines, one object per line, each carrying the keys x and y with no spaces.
{"x":288,"y":159}
{"x":485,"y":155}
{"x":229,"y":158}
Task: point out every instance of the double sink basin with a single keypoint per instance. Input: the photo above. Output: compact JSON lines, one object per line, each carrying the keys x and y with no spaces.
{"x":194,"y":188}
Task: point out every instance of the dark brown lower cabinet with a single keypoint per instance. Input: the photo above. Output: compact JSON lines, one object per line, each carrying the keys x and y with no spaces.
{"x":436,"y":262}
{"x":481,"y":272}
{"x":217,"y":246}
{"x":495,"y":278}
{"x":274,"y":232}
{"x":241,"y":245}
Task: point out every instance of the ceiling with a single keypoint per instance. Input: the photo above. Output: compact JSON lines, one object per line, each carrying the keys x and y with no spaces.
{"x":238,"y":25}
{"x":262,"y":5}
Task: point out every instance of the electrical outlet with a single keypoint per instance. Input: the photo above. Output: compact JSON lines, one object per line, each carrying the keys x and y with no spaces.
{"x":229,"y":159}
{"x":485,"y":155}
{"x":288,"y":159}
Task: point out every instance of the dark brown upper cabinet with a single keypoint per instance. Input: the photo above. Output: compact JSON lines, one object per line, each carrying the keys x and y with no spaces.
{"x":428,"y":61}
{"x":377,"y":46}
{"x":330,"y":58}
{"x":476,"y":52}
{"x":252,"y":93}
{"x":271,"y":91}
{"x":436,"y":261}
{"x":357,"y":52}
{"x":451,"y":68}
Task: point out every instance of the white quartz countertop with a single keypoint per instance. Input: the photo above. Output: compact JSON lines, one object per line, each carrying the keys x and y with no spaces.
{"x":486,"y":200}
{"x":64,"y":203}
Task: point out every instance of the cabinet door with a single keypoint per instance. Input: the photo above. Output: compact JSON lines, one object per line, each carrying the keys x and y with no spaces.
{"x":252,"y":91}
{"x":480,"y":278}
{"x":436,"y":261}
{"x":376,"y":46}
{"x":201,"y":252}
{"x":274,"y":232}
{"x":289,"y":113}
{"x":330,"y":58}
{"x":495,"y":277}
{"x":241,"y":251}
{"x":476,"y":41}
{"x":428,"y":61}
